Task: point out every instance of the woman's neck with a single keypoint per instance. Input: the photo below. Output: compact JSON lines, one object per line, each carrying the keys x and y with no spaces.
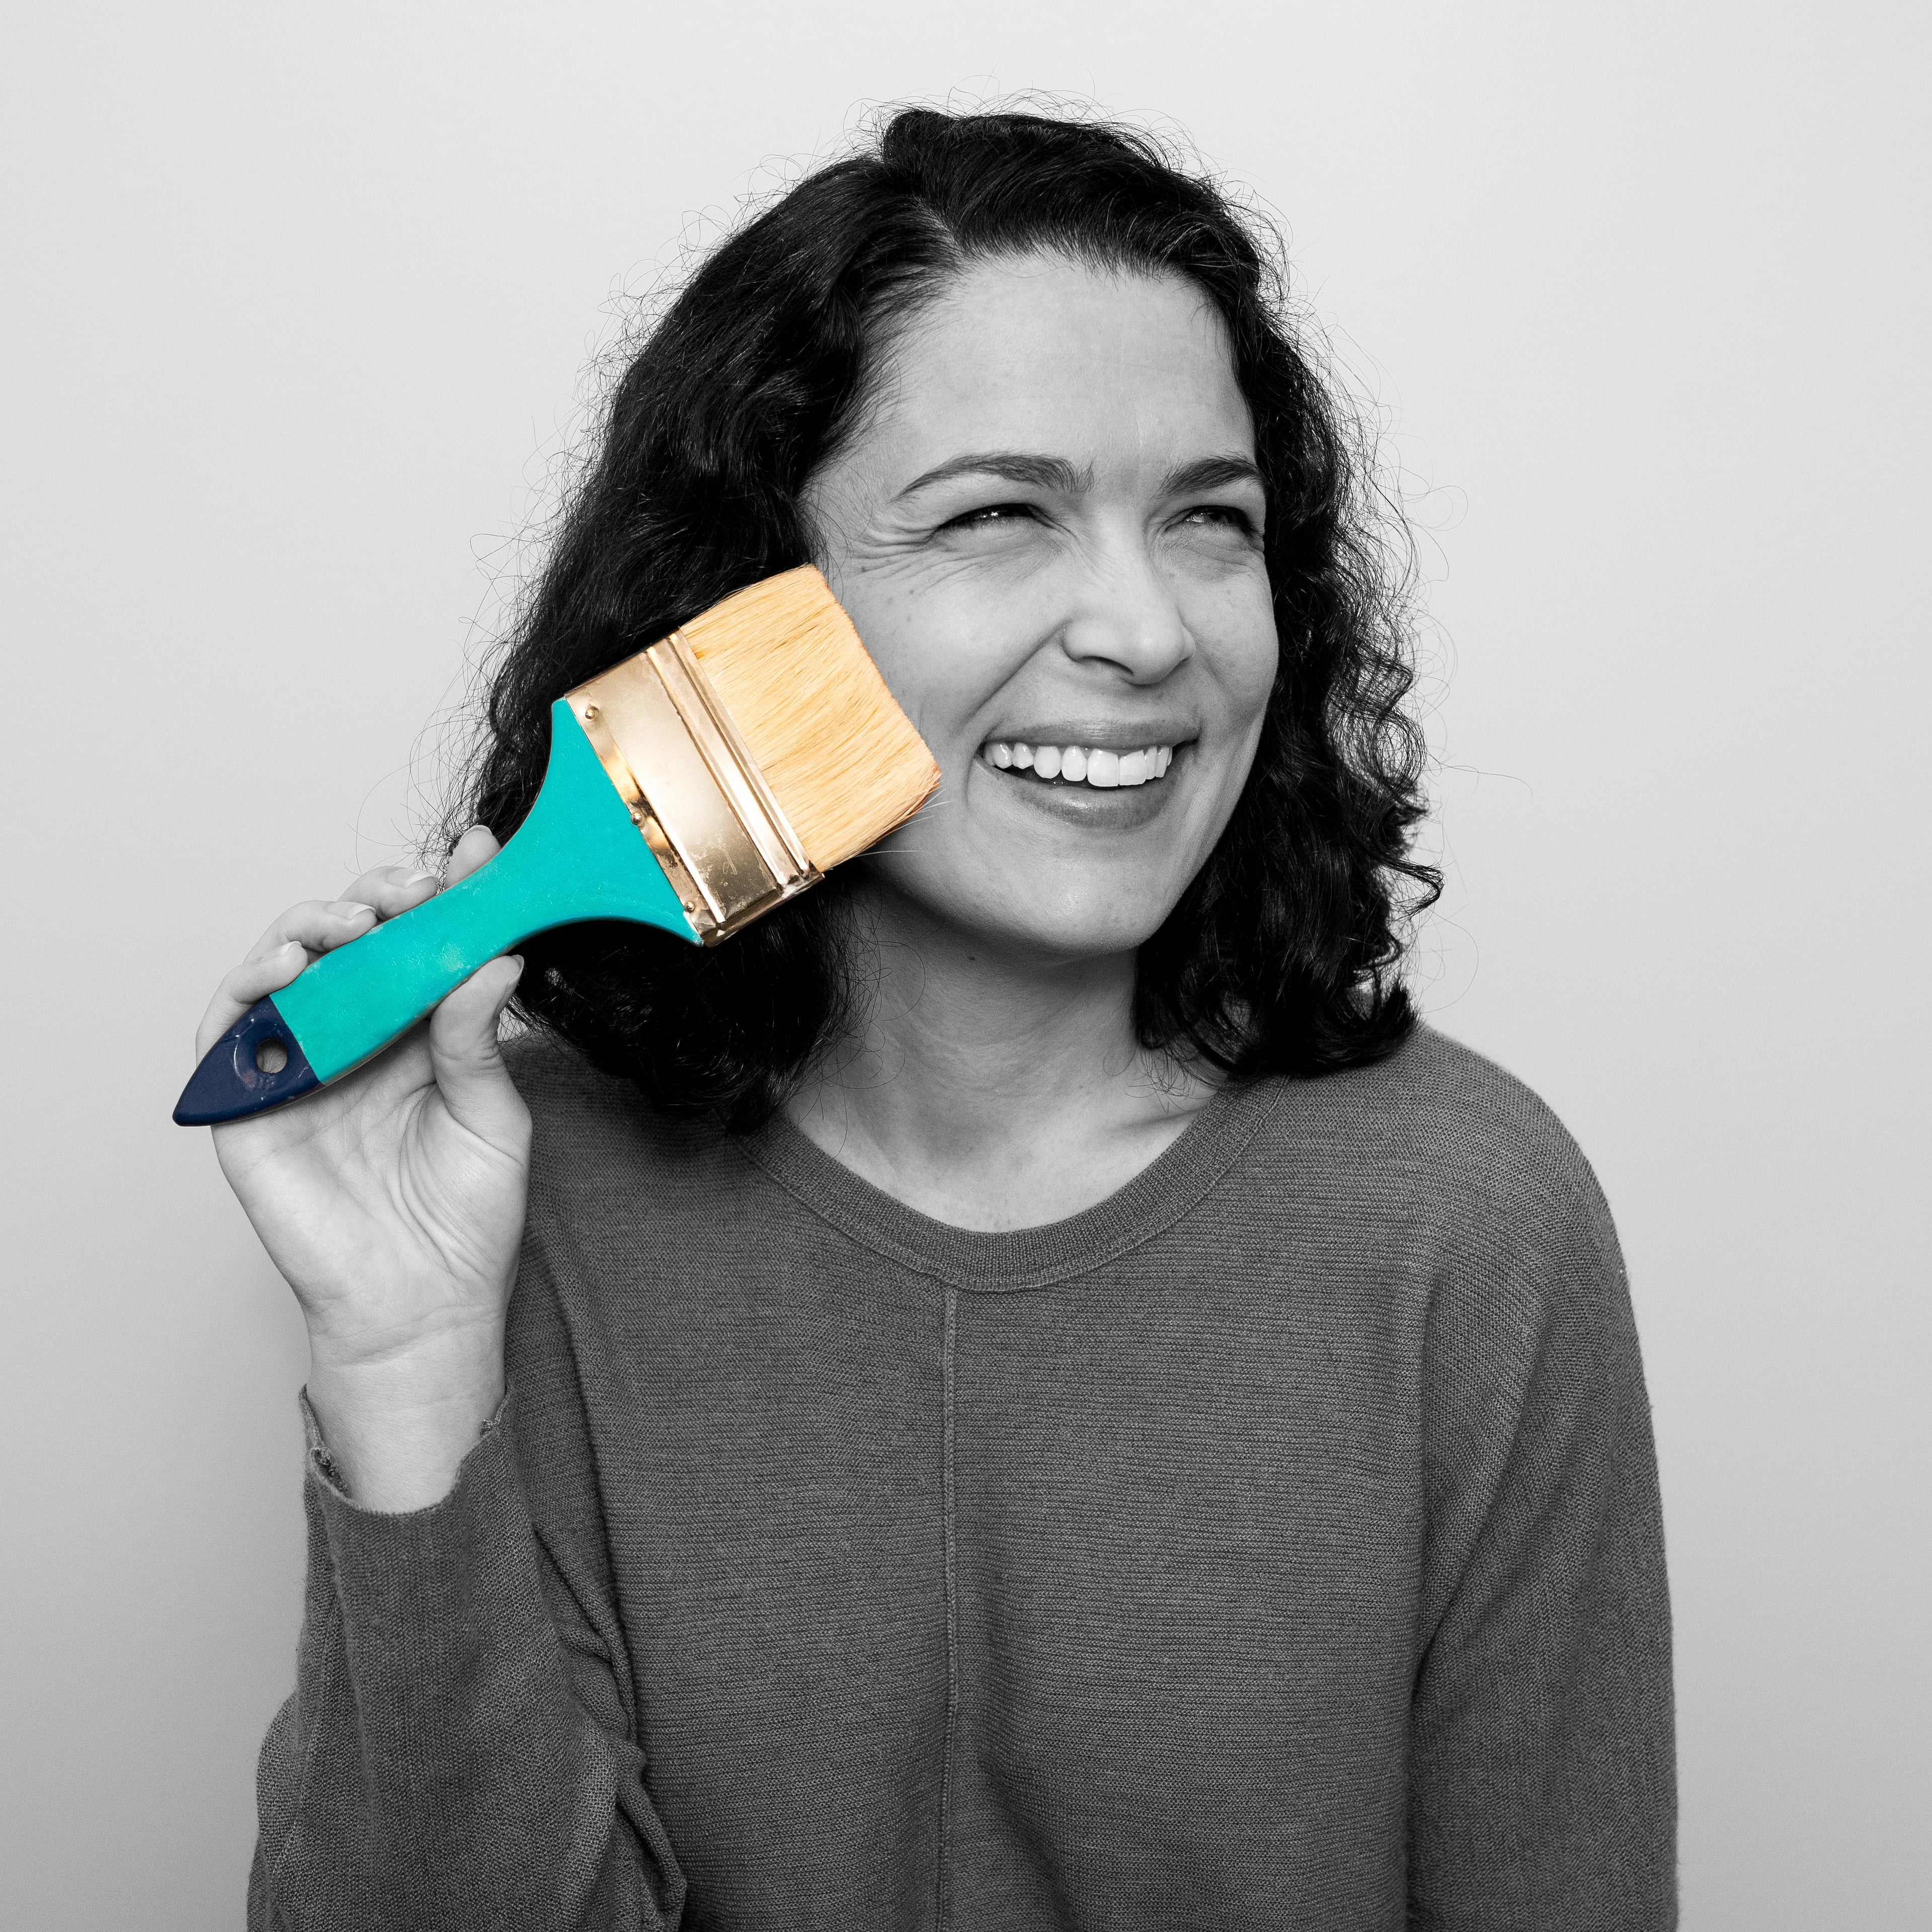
{"x":988,"y":1089}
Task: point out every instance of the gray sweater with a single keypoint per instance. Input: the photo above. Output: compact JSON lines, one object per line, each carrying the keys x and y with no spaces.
{"x":1275,"y":1545}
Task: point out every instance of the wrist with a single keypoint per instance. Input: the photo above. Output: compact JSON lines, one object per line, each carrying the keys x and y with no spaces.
{"x":399,"y":1426}
{"x":421,"y":1366}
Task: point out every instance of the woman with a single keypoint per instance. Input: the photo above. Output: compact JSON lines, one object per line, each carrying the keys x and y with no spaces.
{"x":1025,"y":1390}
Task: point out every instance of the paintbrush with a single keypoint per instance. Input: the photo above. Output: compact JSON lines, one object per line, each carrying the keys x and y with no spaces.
{"x":692,"y":787}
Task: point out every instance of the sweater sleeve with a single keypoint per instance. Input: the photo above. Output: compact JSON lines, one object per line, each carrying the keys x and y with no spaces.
{"x":458,"y":1751}
{"x":1542,"y":1778}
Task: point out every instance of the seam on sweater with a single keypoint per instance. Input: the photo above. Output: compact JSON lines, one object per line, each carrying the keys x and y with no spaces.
{"x":617,"y":1660}
{"x":944,"y":1906}
{"x":1210,"y":1177}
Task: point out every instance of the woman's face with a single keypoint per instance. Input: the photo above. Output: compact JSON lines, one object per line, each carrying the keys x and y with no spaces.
{"x":1047,"y":529}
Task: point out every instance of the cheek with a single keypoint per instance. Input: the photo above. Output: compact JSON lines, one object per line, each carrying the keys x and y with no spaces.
{"x":1242,"y":659}
{"x":943,"y":653}
{"x":1259,"y":667}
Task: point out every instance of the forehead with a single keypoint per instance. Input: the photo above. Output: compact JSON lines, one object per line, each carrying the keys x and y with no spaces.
{"x":1038,"y":352}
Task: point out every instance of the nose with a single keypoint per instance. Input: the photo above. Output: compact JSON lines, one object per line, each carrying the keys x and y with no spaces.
{"x":1126,"y":614}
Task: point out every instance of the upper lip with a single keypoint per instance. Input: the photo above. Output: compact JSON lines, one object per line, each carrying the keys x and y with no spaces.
{"x":1093,"y":736}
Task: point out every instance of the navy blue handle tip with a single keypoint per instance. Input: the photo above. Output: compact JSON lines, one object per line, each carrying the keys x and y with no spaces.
{"x":232,"y":1082}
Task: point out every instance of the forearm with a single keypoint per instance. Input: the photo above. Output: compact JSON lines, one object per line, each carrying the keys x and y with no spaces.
{"x":444,"y":1761}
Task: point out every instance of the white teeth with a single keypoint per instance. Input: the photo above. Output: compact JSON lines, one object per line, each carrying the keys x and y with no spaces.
{"x":1080,"y":764}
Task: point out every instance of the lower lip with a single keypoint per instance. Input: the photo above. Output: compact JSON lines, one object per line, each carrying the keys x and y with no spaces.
{"x":1103,"y":808}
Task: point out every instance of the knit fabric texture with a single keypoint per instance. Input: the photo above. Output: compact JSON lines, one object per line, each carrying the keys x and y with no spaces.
{"x":1276,"y":1545}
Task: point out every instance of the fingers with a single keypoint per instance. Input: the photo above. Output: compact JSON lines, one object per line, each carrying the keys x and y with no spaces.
{"x":303,"y":931}
{"x":258,"y":976}
{"x":322,"y":924}
{"x":468,"y":1063}
{"x":300,"y":935}
{"x":477,"y":847}
{"x":317,"y":926}
{"x":391,"y":889}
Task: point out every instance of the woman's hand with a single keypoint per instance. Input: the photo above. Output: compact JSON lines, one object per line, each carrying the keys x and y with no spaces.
{"x":392,"y":1202}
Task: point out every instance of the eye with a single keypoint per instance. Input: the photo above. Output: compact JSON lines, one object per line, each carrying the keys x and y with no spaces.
{"x":1221,"y":516}
{"x":991,"y":516}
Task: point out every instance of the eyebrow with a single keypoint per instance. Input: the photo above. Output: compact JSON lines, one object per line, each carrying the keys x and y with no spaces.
{"x":1012,"y":465}
{"x":1055,"y":473}
{"x":1210,"y":473}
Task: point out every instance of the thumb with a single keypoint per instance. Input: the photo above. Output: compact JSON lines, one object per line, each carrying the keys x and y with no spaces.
{"x":467,"y":1062}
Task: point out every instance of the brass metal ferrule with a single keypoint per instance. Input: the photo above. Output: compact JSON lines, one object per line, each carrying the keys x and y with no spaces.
{"x":695,"y":791}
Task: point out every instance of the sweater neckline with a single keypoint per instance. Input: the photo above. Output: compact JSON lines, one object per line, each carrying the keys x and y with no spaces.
{"x":1157,"y":1197}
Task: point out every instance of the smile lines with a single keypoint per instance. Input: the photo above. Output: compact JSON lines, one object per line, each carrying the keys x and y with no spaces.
{"x":1082,"y":764}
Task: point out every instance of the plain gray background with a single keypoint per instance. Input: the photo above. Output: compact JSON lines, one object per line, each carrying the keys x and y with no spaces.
{"x":300,"y":304}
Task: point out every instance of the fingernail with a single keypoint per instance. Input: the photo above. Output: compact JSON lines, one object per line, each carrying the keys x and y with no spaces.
{"x":419,"y":878}
{"x":355,"y":911}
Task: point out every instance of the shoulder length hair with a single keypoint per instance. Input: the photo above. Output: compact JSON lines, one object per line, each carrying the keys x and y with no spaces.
{"x":1282,"y":956}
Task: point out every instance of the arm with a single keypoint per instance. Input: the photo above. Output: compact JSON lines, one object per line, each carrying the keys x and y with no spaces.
{"x":459,"y":1751}
{"x":1542,"y":1776}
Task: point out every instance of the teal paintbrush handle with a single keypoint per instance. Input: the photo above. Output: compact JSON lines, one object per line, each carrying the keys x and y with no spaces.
{"x":353,"y":1002}
{"x":577,"y":856}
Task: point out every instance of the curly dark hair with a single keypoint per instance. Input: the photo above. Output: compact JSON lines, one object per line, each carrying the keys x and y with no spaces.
{"x":1283,"y":955}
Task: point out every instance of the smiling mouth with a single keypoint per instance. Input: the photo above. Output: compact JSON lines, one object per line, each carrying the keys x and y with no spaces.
{"x":1091,"y":766}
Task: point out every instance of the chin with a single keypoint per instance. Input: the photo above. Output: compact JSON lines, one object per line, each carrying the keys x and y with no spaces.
{"x":1054,"y":929}
{"x":1081,"y":909}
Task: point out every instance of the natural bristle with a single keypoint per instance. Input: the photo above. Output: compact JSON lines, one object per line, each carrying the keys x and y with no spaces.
{"x":840,"y":756}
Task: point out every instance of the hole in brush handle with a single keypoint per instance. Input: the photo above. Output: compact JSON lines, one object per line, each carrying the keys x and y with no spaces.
{"x":258,"y":1063}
